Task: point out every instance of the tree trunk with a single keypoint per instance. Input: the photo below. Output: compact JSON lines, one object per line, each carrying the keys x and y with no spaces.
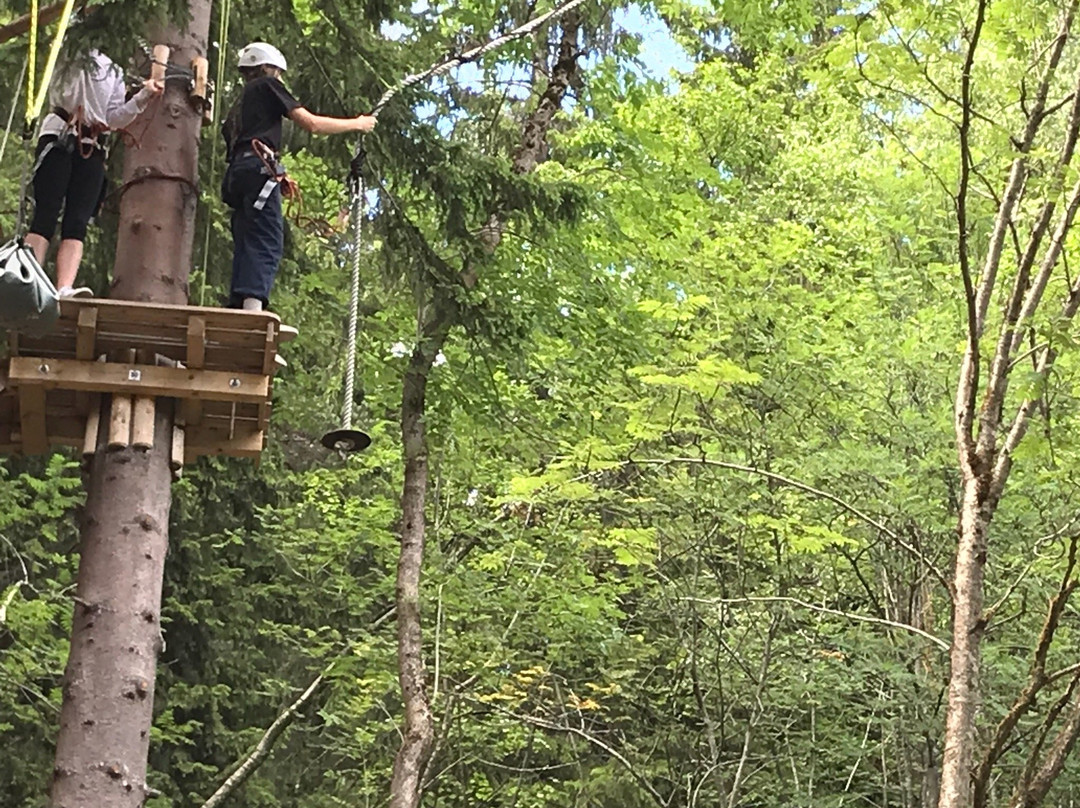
{"x":963,"y":700}
{"x":104,"y":738}
{"x":105,"y":721}
{"x":419,"y":734}
{"x":157,"y":208}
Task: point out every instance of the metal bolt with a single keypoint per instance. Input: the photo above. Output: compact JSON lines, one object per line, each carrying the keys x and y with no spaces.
{"x":234,"y":383}
{"x":43,"y":368}
{"x":134,"y":375}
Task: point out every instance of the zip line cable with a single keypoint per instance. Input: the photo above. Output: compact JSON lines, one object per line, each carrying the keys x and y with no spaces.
{"x":346,"y":438}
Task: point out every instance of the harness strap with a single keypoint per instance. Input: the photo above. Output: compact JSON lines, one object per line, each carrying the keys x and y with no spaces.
{"x":276,"y":171}
{"x":264,"y":194}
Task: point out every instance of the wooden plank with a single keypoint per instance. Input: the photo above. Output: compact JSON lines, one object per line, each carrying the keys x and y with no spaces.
{"x":120,"y":422}
{"x":86,"y":333}
{"x":245,"y":444}
{"x":264,"y":415}
{"x":160,"y":60}
{"x":287,"y":333}
{"x":218,"y":357}
{"x":195,"y":358}
{"x":150,"y":314}
{"x":142,"y":423}
{"x":35,"y":440}
{"x":269,"y":351}
{"x":196,"y":342}
{"x":93,"y":424}
{"x":176,"y":457}
{"x":131,"y":378}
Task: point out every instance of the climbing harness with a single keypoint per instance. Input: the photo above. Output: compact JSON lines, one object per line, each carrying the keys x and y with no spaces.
{"x":346,"y":438}
{"x":28,"y":299}
{"x":276,"y":175}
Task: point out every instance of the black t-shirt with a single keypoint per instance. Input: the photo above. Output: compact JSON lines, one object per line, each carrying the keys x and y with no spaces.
{"x":257,"y":115}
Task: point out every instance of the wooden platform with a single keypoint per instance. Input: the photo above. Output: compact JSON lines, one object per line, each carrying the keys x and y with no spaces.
{"x":217,"y":364}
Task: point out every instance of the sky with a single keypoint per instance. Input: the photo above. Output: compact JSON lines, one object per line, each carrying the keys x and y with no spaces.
{"x":660,"y":53}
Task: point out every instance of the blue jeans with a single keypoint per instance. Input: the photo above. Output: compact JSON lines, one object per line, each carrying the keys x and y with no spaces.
{"x":258,"y":235}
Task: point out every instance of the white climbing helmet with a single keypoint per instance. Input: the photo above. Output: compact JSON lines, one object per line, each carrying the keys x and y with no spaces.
{"x":261,"y":53}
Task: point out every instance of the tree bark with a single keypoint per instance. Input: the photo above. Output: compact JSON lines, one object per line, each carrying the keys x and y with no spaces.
{"x":418,"y":732}
{"x":101,"y":753}
{"x":161,"y":180}
{"x":963,"y":700}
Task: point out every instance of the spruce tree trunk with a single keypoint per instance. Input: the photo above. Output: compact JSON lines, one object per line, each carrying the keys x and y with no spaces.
{"x":104,"y":738}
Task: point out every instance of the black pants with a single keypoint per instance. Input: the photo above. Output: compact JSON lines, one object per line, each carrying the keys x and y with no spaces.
{"x":65,"y":179}
{"x":258,"y":233}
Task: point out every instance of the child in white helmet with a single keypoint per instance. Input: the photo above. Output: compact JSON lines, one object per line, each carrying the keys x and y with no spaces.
{"x":252,"y":186}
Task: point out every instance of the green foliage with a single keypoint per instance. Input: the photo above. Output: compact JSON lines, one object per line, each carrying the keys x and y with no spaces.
{"x":690,"y":436}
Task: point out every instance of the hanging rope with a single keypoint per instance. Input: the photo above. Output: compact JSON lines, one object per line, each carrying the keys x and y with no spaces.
{"x":31,"y":70}
{"x":33,"y":111}
{"x":356,"y":182}
{"x":36,"y":91}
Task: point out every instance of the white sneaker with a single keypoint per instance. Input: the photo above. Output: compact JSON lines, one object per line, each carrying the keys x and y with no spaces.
{"x":78,"y":291}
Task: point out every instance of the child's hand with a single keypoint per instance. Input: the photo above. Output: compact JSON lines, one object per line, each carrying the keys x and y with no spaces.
{"x":364,"y":123}
{"x":153,"y":86}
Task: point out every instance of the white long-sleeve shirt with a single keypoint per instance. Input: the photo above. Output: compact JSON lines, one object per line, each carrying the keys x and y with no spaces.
{"x":98,"y":89}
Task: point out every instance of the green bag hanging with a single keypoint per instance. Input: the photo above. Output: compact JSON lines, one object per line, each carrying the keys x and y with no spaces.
{"x":28,"y":300}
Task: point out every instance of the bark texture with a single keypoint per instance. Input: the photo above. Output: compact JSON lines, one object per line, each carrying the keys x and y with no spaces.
{"x":101,"y":753}
{"x":161,"y":180}
{"x":116,"y":635}
{"x":418,"y":732}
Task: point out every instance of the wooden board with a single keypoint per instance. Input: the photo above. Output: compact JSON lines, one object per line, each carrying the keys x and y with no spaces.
{"x":135,"y":379}
{"x":234,"y":339}
{"x":53,"y":383}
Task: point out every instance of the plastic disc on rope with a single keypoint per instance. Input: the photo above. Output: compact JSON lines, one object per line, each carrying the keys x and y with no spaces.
{"x":346,"y":440}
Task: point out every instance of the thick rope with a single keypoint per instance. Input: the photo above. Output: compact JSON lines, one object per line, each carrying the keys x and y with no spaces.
{"x":357,"y":181}
{"x":31,"y":58}
{"x":354,"y":297}
{"x":50,"y":63}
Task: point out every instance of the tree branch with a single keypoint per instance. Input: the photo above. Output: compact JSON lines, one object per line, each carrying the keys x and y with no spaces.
{"x":1037,"y":680}
{"x":592,"y":739}
{"x":809,"y":489}
{"x":861,"y":618}
{"x":263,"y":747}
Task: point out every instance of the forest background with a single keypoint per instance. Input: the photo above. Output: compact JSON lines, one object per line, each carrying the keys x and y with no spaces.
{"x":698,"y":357}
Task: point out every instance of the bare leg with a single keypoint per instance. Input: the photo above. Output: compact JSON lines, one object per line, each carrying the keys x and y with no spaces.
{"x":68,"y":258}
{"x":40,"y":246}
